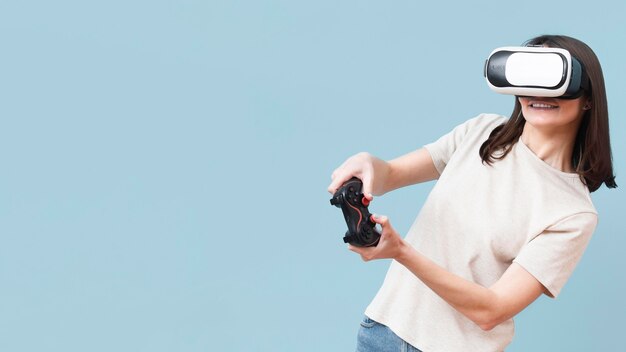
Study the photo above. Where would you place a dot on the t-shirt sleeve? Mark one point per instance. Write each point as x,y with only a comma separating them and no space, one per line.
442,149
552,256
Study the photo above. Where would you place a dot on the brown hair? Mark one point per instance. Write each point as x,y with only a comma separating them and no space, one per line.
592,149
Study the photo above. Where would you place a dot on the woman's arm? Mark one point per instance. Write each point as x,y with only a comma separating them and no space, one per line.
380,177
409,169
485,306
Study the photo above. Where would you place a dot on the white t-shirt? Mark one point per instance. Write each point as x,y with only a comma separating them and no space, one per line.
477,220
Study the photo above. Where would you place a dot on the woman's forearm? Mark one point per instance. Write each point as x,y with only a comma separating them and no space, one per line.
380,176
487,307
409,169
476,302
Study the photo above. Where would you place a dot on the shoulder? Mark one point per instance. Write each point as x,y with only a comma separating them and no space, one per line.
478,128
480,124
487,120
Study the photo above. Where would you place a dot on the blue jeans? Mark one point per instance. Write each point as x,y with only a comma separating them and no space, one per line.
376,337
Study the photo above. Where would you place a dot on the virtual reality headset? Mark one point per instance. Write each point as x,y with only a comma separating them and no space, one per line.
535,71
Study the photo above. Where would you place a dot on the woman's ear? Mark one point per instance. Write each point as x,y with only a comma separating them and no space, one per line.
587,105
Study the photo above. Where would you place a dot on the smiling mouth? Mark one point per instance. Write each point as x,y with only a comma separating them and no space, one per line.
536,105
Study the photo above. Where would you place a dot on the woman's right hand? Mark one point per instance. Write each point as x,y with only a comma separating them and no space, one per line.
372,171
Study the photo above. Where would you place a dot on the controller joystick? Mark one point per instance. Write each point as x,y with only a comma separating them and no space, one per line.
361,229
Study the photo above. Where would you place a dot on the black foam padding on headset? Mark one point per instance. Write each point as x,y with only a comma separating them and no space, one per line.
576,79
495,69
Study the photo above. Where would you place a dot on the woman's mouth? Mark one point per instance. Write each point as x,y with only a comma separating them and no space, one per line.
543,105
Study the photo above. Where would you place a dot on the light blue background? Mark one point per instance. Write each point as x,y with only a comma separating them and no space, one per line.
164,165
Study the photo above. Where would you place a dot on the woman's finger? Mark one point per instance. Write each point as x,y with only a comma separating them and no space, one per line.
335,183
366,253
367,184
382,220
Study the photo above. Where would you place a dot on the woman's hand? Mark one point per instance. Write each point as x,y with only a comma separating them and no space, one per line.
371,170
390,245
380,176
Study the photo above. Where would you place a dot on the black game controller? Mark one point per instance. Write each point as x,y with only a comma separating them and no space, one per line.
361,229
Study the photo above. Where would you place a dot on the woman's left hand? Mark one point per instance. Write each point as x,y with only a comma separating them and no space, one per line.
390,245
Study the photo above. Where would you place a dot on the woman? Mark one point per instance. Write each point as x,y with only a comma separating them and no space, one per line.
507,220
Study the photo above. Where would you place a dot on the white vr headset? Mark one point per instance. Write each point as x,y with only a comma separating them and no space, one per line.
535,71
